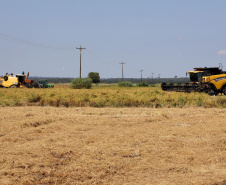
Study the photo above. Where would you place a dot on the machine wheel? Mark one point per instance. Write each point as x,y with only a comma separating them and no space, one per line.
211,92
224,90
36,85
27,85
13,86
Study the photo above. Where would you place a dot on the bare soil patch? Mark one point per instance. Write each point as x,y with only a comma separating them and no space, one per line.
49,145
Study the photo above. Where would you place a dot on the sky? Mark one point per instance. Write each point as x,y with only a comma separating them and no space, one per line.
161,37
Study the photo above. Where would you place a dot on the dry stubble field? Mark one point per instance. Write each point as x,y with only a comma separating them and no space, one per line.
50,145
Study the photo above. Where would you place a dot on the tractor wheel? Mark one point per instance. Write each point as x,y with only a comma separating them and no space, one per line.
36,85
27,85
13,86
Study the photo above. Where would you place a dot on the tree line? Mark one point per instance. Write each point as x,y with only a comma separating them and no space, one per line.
116,80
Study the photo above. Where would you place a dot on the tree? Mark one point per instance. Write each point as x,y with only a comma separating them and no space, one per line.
94,76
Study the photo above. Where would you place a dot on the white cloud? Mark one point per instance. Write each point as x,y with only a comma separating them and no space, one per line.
221,52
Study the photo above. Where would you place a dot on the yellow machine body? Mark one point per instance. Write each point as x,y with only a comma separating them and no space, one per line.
219,81
12,80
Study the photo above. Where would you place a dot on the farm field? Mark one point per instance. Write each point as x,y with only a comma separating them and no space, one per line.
107,96
136,145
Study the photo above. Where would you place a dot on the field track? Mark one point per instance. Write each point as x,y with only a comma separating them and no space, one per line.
50,145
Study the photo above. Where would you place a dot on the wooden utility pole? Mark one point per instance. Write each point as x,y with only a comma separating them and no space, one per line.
141,74
152,76
80,59
122,70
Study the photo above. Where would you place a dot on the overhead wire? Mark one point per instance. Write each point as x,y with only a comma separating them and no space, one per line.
36,44
31,43
96,58
100,60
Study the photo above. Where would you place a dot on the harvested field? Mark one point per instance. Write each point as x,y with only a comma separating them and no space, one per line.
50,145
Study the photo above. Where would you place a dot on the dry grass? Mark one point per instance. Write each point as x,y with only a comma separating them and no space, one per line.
50,145
152,97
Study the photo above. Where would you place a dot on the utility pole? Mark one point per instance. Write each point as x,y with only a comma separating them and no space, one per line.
80,59
159,77
141,74
152,76
122,70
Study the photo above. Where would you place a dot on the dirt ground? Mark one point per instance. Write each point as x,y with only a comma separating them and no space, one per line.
49,145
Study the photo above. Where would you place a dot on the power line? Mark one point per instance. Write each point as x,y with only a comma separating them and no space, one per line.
30,43
97,58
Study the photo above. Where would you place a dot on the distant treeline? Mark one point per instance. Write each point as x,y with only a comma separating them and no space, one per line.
147,80
116,80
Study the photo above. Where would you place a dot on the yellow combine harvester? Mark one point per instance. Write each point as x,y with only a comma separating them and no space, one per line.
21,80
210,80
12,81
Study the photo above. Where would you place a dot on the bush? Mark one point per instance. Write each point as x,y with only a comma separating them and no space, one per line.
153,85
83,83
142,84
94,76
125,84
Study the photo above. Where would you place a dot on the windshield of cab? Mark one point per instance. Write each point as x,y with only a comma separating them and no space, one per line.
195,77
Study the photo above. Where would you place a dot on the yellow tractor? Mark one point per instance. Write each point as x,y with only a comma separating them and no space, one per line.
12,81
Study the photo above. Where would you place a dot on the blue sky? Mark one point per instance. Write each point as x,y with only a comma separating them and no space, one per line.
158,36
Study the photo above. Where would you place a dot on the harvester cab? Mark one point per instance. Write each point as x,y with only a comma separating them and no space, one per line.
195,76
12,81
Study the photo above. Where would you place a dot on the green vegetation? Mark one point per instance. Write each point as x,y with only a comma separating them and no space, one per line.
95,77
142,84
125,84
107,96
81,83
